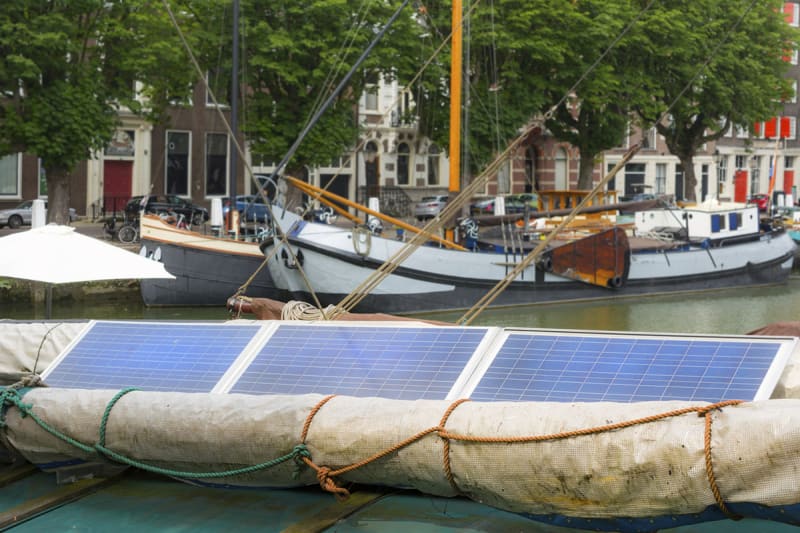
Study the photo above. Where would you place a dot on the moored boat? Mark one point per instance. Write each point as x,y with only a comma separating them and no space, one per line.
672,249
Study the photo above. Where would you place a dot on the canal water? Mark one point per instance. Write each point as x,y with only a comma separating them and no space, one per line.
734,311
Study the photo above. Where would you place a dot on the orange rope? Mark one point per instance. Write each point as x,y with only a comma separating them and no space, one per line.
710,470
325,474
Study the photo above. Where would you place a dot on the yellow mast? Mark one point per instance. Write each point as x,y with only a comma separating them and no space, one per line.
455,107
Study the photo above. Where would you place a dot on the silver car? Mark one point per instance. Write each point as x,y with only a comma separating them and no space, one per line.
429,206
22,214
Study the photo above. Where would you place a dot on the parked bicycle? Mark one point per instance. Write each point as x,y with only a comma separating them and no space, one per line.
126,232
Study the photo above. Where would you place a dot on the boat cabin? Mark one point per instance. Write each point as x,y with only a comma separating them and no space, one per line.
711,220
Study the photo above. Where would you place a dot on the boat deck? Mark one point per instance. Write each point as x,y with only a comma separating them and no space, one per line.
134,501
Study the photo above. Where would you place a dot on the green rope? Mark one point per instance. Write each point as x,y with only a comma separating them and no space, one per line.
12,397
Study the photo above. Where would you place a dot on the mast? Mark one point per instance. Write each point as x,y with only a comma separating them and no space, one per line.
455,106
233,223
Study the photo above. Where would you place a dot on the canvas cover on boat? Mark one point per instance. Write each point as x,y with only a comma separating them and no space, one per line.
26,346
532,458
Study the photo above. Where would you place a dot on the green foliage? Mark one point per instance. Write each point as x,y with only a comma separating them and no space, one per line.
67,68
713,66
295,53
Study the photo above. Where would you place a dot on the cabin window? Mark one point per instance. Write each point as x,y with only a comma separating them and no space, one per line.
716,223
177,163
403,164
216,164
10,175
735,220
433,165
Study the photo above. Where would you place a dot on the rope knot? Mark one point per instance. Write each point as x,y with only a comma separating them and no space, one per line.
299,452
329,485
11,397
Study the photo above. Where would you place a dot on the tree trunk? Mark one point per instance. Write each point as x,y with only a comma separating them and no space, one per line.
58,199
689,178
585,173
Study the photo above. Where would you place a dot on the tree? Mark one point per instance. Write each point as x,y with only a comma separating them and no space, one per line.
524,58
295,53
713,66
67,68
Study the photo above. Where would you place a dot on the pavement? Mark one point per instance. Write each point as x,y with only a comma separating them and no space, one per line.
82,225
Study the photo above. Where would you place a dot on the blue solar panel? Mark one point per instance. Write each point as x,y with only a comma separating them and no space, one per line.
588,368
150,356
396,362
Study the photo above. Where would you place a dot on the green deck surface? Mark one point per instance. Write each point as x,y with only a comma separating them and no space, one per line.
138,502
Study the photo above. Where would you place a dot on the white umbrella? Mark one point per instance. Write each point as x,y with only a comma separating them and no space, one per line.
58,254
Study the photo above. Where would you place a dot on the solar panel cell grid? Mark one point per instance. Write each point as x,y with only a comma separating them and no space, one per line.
390,362
151,356
536,367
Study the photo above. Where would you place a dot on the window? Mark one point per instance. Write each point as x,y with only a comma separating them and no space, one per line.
649,139
661,178
403,164
220,85
433,165
371,93
561,170
722,169
755,173
788,162
42,180
216,164
10,175
503,179
741,162
177,163
634,178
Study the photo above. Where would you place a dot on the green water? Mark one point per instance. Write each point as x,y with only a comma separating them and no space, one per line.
731,311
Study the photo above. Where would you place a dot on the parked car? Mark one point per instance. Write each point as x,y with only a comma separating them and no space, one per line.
251,208
429,206
515,203
760,200
164,203
23,213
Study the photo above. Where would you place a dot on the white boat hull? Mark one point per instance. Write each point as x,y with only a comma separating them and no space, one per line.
435,278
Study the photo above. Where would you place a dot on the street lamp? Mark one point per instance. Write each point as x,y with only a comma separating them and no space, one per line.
717,161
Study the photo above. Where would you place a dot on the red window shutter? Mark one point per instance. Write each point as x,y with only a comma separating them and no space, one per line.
788,11
786,127
770,127
757,129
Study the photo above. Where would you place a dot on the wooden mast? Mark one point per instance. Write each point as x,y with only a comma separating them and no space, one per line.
455,107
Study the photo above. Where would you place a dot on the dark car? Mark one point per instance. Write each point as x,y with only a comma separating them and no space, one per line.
251,208
165,203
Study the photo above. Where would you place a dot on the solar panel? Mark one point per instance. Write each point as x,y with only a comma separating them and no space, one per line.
395,362
575,367
154,356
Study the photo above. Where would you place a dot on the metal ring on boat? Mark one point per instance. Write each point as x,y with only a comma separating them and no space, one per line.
615,282
362,241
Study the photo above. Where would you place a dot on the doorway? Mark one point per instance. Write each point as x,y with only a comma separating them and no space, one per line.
117,180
